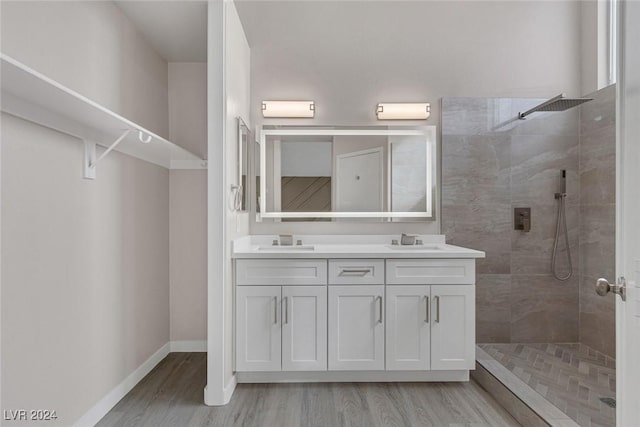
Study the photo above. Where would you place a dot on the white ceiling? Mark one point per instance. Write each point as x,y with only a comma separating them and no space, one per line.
177,30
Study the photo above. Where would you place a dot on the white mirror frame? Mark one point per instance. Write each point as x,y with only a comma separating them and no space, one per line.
429,132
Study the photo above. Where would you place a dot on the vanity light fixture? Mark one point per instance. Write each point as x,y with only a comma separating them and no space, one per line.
403,111
288,109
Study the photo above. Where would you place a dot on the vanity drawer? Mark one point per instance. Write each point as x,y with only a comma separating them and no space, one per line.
281,272
431,271
356,272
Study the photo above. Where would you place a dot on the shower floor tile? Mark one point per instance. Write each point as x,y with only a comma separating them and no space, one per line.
573,377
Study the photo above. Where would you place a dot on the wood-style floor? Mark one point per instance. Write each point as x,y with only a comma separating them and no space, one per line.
172,396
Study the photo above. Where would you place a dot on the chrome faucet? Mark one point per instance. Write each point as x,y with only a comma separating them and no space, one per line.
286,239
407,239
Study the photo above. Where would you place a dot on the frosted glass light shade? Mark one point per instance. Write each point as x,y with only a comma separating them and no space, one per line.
403,111
288,109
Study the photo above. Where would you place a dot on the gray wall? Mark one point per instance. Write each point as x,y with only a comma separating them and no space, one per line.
188,203
92,48
492,163
597,219
348,56
85,264
85,270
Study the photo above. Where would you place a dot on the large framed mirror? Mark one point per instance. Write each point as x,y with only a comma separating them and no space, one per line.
346,174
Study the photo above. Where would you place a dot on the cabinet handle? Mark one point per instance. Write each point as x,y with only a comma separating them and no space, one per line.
285,302
362,271
379,298
437,309
275,310
426,309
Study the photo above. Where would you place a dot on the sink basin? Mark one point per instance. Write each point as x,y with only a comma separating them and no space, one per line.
296,248
415,247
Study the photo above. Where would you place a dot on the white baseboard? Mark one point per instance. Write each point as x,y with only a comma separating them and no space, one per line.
104,405
230,388
100,409
220,397
188,346
351,376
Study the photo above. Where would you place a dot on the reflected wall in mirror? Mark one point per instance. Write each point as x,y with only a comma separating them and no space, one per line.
338,174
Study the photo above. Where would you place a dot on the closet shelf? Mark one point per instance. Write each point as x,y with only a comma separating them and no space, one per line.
33,96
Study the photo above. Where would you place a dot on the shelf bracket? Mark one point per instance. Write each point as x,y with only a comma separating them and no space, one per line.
90,161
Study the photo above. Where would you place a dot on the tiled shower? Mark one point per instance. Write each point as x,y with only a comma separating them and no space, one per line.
492,163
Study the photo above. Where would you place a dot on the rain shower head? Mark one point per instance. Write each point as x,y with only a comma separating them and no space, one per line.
558,103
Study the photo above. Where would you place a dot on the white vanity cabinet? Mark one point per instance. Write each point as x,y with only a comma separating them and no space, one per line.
431,310
281,328
258,328
356,327
453,337
408,328
304,328
354,319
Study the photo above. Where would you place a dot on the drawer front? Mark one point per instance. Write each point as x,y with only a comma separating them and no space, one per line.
431,272
281,272
356,272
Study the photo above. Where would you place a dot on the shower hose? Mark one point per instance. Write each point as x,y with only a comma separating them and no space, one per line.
561,222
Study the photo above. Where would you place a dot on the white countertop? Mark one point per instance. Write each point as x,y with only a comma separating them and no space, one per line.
349,246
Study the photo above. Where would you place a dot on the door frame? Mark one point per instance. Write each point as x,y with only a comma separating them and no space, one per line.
627,208
343,156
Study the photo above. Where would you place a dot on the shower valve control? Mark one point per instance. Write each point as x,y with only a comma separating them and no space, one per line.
522,219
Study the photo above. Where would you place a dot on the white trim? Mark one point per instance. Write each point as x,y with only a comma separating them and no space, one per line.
230,388
346,215
352,376
104,405
346,132
188,346
216,202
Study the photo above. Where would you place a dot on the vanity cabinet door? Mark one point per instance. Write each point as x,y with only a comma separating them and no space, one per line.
453,327
408,328
258,329
304,328
356,327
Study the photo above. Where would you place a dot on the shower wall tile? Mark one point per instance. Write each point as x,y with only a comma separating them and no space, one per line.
599,113
598,334
483,227
476,116
598,166
491,163
532,251
477,170
597,318
536,162
544,309
544,123
493,308
597,240
597,218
